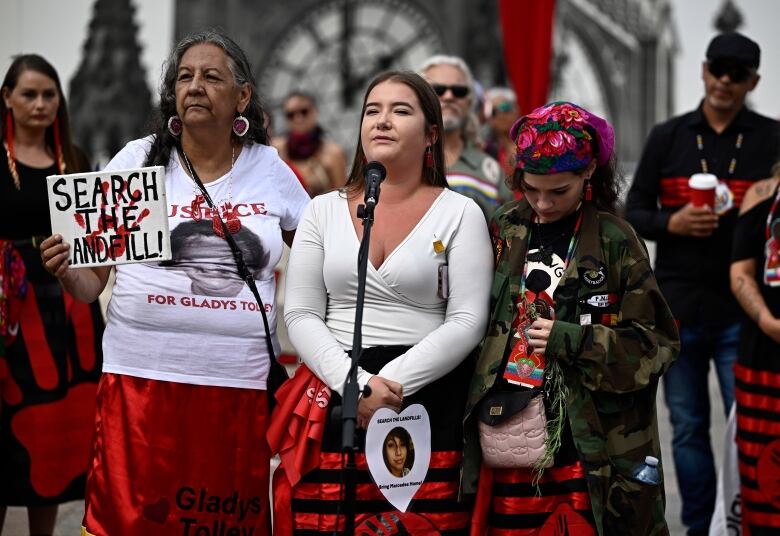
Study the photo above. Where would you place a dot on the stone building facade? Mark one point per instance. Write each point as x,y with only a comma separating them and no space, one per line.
614,56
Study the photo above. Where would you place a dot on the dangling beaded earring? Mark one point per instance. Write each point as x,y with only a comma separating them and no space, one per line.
428,157
58,146
240,125
175,125
9,148
588,190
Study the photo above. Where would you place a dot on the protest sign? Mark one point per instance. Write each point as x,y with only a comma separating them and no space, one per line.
398,452
111,217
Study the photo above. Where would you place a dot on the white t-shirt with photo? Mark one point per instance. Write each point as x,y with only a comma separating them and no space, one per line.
193,319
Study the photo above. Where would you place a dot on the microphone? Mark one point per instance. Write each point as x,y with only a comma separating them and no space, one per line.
375,173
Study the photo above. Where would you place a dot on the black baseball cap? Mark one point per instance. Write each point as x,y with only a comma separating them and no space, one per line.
734,45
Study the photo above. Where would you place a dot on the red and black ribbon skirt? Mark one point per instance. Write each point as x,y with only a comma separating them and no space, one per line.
758,443
48,380
435,508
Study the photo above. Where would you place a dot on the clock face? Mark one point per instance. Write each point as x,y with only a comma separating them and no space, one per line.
334,50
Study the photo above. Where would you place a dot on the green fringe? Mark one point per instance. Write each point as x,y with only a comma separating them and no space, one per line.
558,393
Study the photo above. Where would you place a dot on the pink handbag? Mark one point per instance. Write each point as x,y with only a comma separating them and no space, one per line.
512,429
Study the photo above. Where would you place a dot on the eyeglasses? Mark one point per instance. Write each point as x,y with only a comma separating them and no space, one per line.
457,91
290,114
736,71
503,107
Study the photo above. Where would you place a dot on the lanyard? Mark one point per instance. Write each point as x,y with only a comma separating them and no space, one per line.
243,269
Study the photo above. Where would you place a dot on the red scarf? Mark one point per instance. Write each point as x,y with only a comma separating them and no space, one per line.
295,433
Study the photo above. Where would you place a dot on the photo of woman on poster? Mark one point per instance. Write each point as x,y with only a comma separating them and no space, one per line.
398,452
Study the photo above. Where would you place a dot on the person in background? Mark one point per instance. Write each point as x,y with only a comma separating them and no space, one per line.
417,333
318,161
725,138
470,171
183,405
501,112
579,326
755,281
49,373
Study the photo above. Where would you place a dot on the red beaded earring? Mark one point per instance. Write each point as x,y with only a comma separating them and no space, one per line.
240,125
428,157
58,146
588,190
175,126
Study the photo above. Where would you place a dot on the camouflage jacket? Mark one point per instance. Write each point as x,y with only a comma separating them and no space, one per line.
611,364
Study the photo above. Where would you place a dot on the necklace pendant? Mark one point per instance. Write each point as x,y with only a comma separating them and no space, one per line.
195,206
233,223
216,224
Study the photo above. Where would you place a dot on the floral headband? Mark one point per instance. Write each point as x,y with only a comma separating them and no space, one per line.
560,137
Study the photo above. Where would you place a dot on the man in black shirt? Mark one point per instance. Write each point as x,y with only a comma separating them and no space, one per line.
724,138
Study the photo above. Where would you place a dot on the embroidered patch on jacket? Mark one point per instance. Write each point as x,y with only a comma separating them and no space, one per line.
594,278
601,300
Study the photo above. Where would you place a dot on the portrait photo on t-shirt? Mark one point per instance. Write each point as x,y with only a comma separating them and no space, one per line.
206,258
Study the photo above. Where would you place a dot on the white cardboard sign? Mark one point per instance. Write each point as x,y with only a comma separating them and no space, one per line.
398,452
111,217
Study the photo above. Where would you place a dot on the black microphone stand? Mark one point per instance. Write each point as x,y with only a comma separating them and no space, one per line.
351,389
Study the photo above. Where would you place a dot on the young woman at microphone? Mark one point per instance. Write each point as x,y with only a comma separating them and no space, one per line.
426,305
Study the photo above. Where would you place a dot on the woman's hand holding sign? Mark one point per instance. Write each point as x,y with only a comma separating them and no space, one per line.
384,394
55,255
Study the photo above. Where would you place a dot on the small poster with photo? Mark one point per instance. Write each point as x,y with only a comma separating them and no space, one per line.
398,452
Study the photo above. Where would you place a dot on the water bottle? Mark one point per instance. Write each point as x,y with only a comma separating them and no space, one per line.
648,472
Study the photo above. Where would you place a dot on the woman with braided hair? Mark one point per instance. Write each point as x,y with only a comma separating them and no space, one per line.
52,355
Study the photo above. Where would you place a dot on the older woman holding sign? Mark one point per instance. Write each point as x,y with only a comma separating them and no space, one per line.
180,434
49,373
426,303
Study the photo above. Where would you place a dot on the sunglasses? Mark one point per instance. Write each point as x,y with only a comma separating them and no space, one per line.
502,108
457,91
290,114
736,71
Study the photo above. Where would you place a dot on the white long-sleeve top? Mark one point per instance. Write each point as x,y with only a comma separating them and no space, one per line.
402,305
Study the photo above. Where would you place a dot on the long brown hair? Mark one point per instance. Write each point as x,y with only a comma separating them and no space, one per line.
73,159
429,103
